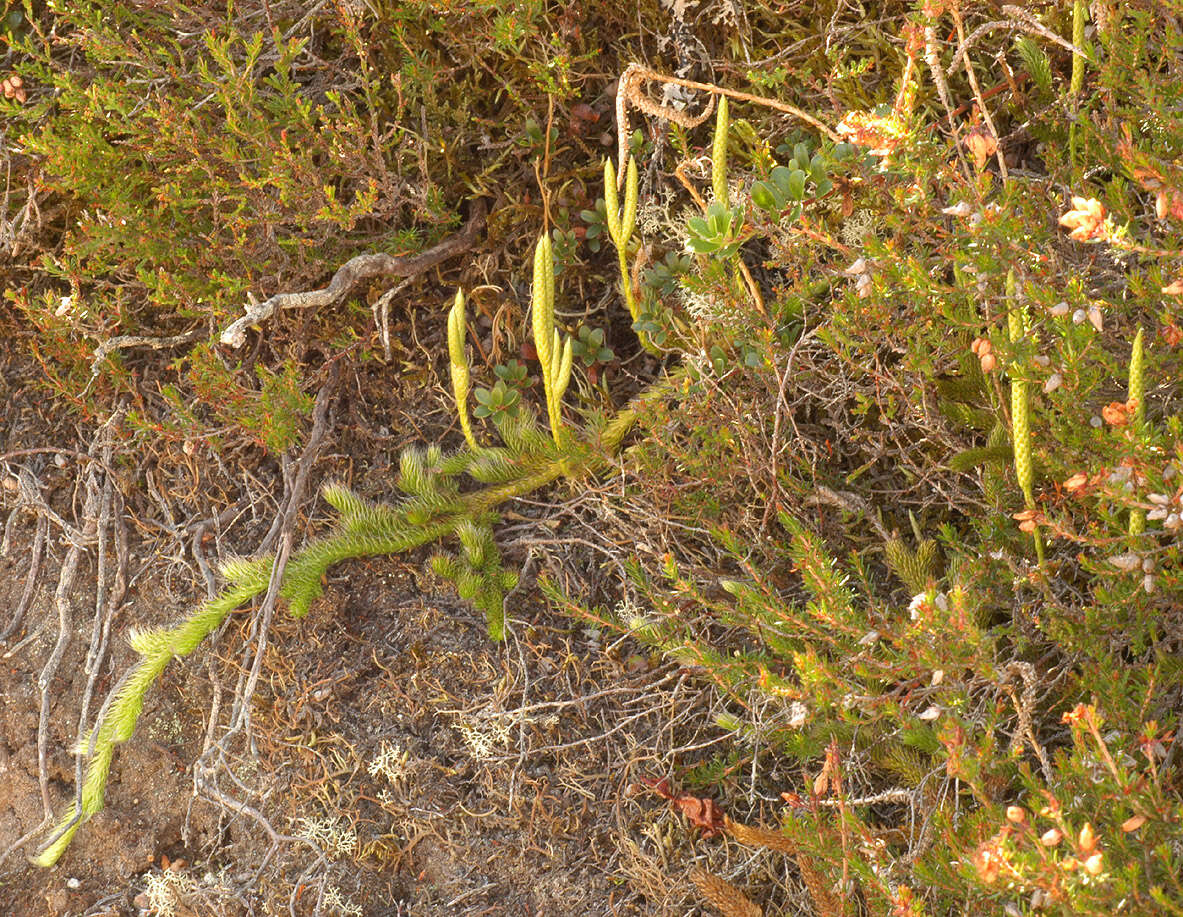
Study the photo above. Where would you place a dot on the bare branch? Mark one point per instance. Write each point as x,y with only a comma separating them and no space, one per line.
110,345
355,270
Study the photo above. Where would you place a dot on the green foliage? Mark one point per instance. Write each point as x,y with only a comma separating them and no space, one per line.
1036,62
588,346
191,160
498,403
663,276
971,711
1016,708
717,232
597,224
512,373
281,406
785,186
166,179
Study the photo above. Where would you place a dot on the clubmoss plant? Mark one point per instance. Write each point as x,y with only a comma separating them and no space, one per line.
433,508
117,721
916,569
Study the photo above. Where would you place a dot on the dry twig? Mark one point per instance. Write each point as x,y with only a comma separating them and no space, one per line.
629,93
291,507
354,271
35,559
109,346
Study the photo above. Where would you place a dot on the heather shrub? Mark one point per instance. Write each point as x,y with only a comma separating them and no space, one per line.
940,578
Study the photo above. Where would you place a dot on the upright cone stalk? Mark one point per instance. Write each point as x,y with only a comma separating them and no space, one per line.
1020,410
1136,395
458,359
553,353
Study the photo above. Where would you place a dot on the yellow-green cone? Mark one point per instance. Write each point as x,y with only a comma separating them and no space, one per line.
1137,385
553,353
1021,435
611,202
1020,410
1137,394
719,153
458,360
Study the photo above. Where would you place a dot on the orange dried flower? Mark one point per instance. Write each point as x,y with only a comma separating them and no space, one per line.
1016,814
1094,864
1051,837
981,145
1133,823
987,861
1086,219
1168,203
12,88
1087,839
1028,520
988,361
1077,481
1116,414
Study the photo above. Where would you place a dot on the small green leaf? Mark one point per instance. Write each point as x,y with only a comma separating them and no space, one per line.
763,197
797,185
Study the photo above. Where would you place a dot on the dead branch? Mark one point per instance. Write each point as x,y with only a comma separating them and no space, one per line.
629,92
354,271
63,602
109,346
30,579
